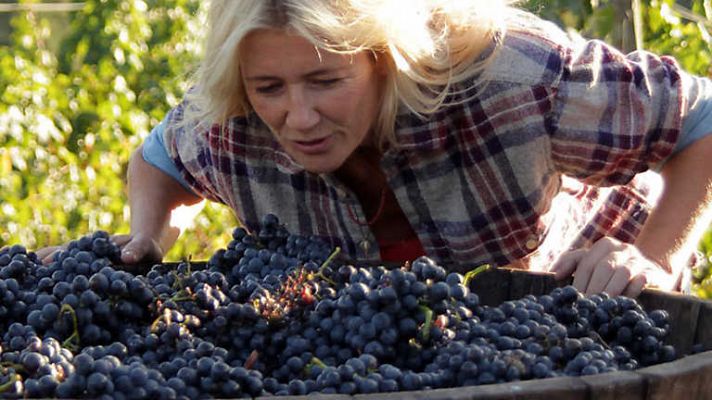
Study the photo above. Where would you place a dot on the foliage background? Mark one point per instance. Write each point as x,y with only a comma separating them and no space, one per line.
79,92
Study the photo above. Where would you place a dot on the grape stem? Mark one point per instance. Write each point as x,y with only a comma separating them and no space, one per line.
7,385
17,367
425,329
166,316
326,263
252,359
72,342
314,362
472,274
182,297
599,339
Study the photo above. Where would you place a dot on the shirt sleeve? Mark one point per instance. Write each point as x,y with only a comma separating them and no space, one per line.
698,122
154,153
617,115
188,147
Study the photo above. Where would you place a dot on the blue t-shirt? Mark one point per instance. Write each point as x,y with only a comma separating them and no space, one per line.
154,153
698,122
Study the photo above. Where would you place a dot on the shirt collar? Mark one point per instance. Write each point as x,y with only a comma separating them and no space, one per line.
284,162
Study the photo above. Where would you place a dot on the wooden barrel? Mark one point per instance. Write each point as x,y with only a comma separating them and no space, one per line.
688,378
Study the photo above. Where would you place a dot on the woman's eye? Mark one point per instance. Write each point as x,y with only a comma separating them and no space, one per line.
326,82
267,89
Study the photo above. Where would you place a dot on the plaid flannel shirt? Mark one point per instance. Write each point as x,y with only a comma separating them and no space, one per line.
542,159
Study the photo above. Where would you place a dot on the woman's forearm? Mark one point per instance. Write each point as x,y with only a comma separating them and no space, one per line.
682,214
153,195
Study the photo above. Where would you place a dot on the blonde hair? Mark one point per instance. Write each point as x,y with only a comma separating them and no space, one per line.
426,46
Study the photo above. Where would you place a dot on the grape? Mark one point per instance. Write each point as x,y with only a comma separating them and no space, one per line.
268,316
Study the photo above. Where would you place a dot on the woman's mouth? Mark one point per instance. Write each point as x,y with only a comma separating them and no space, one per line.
315,146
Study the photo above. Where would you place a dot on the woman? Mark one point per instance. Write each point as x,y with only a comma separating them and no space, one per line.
463,130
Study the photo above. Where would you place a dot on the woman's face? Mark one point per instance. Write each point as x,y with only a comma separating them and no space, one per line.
321,106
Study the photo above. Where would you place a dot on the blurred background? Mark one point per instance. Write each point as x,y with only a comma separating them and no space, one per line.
83,82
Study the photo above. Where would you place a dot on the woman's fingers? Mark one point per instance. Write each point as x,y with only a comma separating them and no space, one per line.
586,268
583,264
46,254
618,282
132,254
566,264
139,250
121,240
608,266
134,250
602,271
636,285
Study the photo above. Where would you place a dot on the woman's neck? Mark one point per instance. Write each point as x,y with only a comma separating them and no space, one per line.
363,175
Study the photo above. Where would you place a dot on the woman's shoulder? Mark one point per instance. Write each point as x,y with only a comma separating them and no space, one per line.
531,51
185,121
243,139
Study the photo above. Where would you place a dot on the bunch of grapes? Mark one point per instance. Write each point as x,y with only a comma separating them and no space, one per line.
279,314
43,363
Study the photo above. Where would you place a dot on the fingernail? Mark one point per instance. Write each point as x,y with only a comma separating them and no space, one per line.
128,255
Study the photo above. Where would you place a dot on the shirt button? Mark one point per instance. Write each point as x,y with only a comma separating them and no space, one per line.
341,193
532,243
365,245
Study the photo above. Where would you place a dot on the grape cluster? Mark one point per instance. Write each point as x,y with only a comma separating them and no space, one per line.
264,261
278,314
43,363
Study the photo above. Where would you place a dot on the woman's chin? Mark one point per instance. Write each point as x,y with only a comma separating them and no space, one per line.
320,169
321,165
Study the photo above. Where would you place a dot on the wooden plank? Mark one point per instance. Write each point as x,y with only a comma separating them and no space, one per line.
684,379
492,286
562,388
316,396
460,393
483,392
616,385
703,335
684,312
536,283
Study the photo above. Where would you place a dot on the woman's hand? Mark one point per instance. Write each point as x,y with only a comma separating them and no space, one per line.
46,254
134,250
613,267
138,249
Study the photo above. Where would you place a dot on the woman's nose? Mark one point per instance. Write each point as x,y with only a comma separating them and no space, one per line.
301,113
